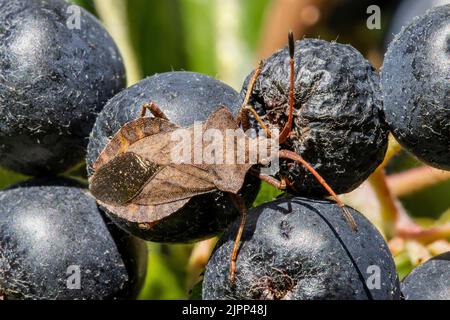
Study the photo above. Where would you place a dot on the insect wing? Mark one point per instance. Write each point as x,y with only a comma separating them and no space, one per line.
144,213
175,183
122,178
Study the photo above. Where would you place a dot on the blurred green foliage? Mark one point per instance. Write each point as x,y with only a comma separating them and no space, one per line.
430,202
8,178
181,35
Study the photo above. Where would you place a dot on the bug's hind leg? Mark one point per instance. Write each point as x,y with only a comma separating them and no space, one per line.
154,110
290,155
240,205
278,184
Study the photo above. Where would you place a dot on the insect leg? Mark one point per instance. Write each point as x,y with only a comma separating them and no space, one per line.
284,135
154,109
251,84
249,108
240,205
287,154
243,119
289,184
281,185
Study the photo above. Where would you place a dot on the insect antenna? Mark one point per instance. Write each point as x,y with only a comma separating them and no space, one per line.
288,126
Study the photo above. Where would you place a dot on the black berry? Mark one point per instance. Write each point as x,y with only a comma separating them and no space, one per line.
415,84
303,249
429,281
337,117
49,233
54,79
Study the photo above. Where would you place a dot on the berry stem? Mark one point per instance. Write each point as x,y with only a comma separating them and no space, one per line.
393,149
414,180
396,222
387,201
425,235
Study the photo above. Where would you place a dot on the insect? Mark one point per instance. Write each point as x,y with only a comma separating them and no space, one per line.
135,176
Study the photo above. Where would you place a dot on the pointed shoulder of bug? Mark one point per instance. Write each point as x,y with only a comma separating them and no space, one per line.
221,119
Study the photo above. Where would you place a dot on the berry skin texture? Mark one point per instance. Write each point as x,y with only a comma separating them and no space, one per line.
299,249
415,82
184,97
53,82
46,229
429,281
338,122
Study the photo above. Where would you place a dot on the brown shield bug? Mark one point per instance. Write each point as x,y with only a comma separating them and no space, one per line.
135,176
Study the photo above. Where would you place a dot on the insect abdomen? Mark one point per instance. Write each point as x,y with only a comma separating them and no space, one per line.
130,133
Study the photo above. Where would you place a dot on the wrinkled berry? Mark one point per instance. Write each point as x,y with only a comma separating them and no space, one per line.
337,127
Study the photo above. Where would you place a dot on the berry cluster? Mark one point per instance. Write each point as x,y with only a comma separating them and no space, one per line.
62,100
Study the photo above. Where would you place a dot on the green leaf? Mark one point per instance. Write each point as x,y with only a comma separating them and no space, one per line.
163,280
403,264
8,178
157,34
199,35
86,4
196,292
267,193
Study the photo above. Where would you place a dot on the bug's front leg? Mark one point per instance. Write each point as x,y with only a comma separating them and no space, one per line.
242,117
258,119
154,109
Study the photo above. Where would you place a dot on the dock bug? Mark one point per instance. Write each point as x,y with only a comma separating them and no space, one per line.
135,176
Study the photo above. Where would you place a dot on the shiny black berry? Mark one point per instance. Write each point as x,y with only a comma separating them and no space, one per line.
56,244
55,76
415,83
429,281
